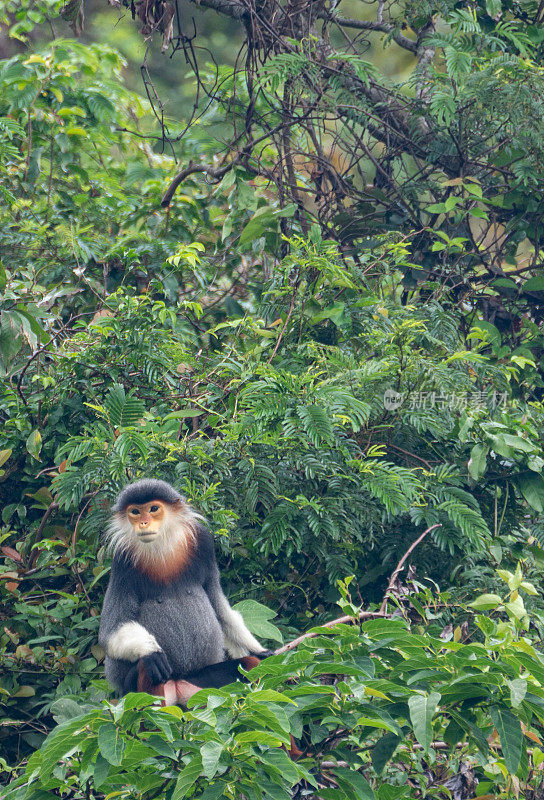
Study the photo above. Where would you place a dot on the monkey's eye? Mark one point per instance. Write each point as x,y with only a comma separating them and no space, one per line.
134,512
154,508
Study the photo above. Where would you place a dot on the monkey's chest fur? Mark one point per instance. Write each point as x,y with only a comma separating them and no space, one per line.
182,620
177,613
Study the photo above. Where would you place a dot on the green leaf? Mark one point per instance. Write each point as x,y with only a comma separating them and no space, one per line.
531,486
256,226
477,461
262,220
516,608
213,792
454,733
262,737
162,746
383,751
123,410
4,455
270,696
187,778
472,729
451,202
274,790
510,735
534,284
486,602
65,709
10,338
63,740
383,724
101,770
519,443
317,424
283,763
256,616
354,784
436,208
493,8
110,743
518,690
183,413
422,709
136,700
478,212
34,443
485,330
530,588
211,753
271,716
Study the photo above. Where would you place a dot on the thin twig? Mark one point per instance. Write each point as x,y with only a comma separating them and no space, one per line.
288,317
39,533
400,565
410,455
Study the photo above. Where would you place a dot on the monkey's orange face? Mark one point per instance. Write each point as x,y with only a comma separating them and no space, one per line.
147,519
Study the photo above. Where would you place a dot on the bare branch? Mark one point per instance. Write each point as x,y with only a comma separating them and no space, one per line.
366,25
400,565
190,169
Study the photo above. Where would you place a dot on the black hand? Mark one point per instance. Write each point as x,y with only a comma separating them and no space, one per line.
157,667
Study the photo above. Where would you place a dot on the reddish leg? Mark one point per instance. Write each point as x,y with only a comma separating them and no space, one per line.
180,691
172,692
184,691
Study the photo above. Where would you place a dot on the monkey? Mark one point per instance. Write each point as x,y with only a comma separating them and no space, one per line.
166,626
179,691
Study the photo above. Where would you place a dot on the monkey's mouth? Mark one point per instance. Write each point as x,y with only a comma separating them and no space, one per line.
147,536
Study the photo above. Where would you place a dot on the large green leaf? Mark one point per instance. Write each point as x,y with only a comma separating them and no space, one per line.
187,778
534,284
510,734
477,461
63,740
383,751
257,618
531,486
211,753
354,784
422,710
111,743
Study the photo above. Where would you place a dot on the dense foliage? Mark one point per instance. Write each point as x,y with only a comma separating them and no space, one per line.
322,398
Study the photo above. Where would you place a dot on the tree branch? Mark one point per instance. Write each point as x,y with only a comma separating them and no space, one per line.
190,169
362,614
400,565
39,533
366,25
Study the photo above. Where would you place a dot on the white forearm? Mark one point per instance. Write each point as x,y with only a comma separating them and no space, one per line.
239,641
130,642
